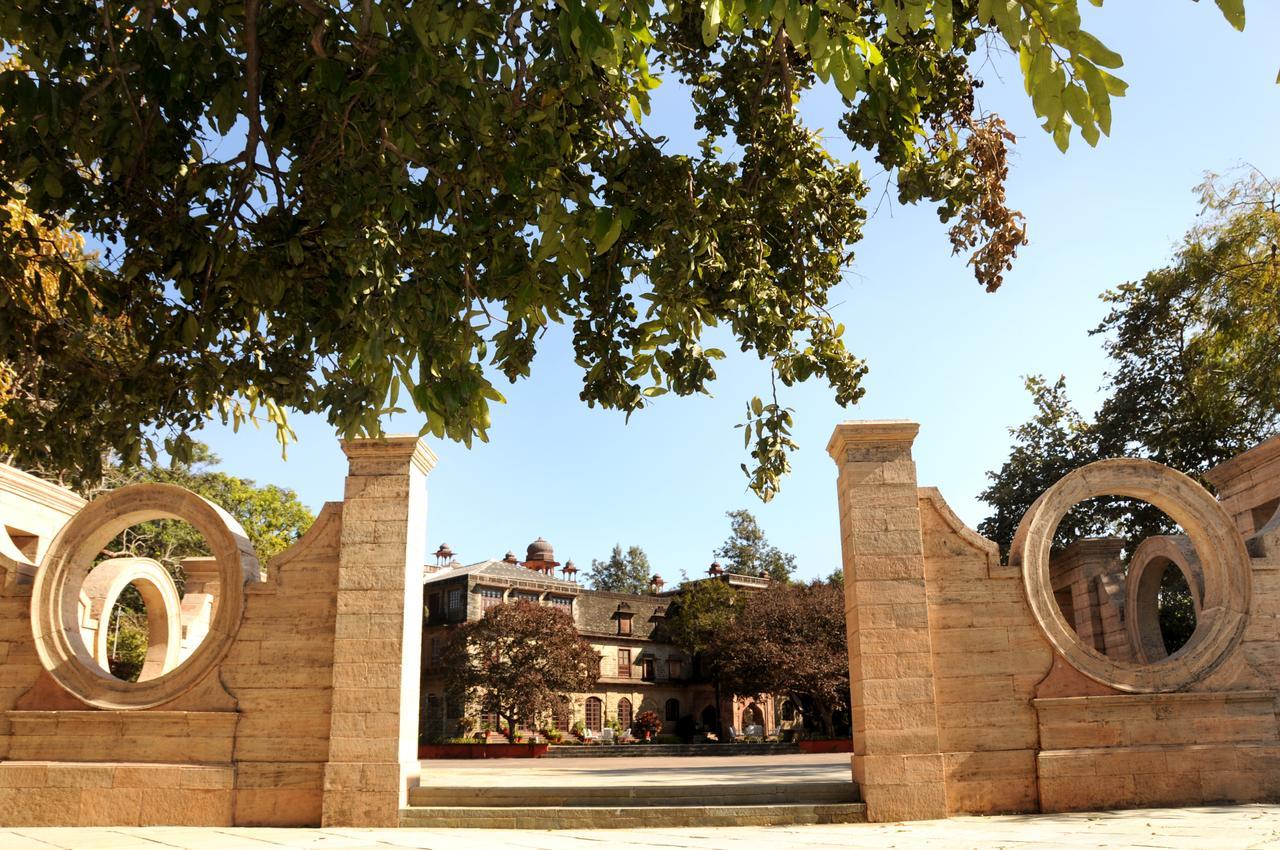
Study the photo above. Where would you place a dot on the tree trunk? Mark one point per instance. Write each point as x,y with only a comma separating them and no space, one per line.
825,715
511,725
719,714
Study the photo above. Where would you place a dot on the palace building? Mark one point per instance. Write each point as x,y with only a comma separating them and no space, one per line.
640,669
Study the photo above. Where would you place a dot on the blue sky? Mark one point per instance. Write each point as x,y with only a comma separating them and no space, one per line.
941,350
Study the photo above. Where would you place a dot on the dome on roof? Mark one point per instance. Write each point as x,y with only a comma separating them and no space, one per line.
509,558
540,550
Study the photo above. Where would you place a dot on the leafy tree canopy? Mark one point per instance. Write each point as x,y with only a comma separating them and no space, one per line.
518,661
627,572
789,640
342,207
1196,376
747,552
272,516
699,613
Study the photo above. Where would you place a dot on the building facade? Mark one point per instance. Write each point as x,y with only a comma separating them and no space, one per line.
640,669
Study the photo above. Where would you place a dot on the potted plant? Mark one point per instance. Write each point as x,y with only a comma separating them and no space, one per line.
648,725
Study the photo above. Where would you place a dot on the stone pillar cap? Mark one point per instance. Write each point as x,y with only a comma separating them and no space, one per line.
393,446
870,431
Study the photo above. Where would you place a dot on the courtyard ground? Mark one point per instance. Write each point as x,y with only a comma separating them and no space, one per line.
676,770
1204,828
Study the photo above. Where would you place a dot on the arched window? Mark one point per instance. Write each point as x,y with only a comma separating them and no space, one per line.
624,714
788,711
672,710
752,716
595,714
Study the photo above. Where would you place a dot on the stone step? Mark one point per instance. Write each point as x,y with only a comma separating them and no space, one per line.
615,796
622,817
652,750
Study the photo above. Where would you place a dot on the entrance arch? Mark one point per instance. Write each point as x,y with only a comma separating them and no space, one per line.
710,718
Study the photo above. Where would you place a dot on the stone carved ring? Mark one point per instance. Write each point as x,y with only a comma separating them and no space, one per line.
1142,590
1219,547
101,591
55,597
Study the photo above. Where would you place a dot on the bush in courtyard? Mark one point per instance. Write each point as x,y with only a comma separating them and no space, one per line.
647,725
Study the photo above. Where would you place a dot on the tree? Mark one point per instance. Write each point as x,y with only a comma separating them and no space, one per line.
1197,343
747,552
1056,440
272,517
700,611
790,640
331,207
1196,348
518,661
622,573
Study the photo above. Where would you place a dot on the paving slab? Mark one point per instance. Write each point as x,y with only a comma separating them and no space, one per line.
1255,827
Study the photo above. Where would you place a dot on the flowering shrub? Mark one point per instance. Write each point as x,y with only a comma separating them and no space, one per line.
647,724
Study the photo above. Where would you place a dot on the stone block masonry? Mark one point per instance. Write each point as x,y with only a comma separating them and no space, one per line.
963,704
971,691
310,716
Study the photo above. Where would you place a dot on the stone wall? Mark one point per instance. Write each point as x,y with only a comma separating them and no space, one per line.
972,693
296,712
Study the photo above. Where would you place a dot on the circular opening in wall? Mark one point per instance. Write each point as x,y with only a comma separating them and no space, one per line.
1176,613
130,616
1164,596
127,636
1210,536
77,592
1091,573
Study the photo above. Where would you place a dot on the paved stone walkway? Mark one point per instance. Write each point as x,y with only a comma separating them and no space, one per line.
1255,827
661,770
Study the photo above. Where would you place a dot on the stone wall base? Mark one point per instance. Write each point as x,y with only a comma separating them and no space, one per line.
44,793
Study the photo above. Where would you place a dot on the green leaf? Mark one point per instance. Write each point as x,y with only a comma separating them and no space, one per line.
52,185
1062,135
607,229
795,21
942,24
712,14
1097,52
1233,11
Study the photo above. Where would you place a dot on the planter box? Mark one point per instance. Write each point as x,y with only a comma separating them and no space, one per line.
837,745
481,751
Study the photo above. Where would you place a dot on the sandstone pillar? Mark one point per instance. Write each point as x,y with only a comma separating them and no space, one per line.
378,632
896,756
